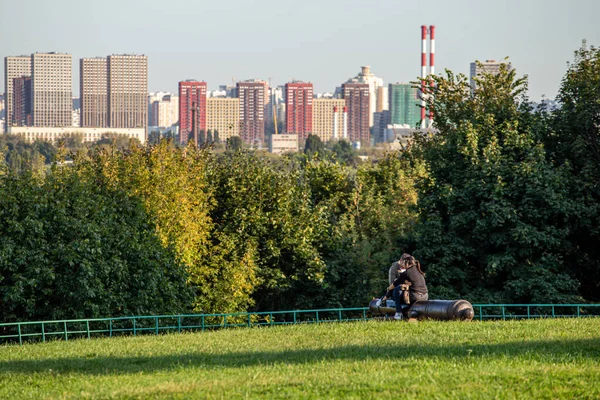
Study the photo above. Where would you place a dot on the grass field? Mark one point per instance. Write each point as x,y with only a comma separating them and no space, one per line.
551,358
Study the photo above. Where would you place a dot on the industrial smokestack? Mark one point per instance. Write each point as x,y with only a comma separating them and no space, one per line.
423,71
431,62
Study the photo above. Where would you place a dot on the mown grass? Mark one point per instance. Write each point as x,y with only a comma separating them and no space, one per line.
552,358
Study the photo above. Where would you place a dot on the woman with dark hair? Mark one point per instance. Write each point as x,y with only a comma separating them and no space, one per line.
410,286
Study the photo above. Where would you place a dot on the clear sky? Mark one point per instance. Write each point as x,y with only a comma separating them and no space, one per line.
321,41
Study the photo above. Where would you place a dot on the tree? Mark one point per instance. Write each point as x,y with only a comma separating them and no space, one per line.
209,136
216,136
234,143
572,139
313,145
493,210
345,153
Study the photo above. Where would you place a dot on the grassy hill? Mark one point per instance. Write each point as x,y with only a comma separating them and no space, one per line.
557,358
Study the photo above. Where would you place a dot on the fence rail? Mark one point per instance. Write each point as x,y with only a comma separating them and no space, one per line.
19,332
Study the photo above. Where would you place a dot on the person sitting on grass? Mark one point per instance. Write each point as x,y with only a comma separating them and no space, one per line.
410,286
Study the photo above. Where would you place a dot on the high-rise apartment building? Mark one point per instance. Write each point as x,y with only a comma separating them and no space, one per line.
357,99
404,105
328,118
192,103
127,90
374,83
14,67
22,115
52,89
252,95
489,67
223,116
93,89
299,108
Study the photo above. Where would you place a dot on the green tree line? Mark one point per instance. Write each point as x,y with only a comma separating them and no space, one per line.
501,205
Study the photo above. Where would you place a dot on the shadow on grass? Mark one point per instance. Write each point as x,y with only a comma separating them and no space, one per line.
547,351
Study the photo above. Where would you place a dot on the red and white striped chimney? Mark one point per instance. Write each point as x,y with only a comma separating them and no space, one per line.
431,62
423,71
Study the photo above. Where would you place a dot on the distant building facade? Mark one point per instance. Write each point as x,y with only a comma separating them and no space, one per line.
22,102
93,91
380,122
14,67
404,105
488,67
374,83
127,91
223,116
51,90
283,143
114,92
328,118
357,99
192,94
52,134
299,108
164,110
252,95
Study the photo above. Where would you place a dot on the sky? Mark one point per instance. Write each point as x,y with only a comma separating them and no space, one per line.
320,41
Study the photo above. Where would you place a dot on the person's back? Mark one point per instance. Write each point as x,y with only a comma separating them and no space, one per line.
417,280
395,272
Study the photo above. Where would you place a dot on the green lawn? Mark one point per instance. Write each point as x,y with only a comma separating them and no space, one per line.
552,358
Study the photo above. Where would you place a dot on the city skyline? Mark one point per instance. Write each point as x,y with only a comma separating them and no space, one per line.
332,41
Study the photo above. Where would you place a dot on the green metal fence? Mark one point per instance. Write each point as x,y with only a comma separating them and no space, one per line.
42,331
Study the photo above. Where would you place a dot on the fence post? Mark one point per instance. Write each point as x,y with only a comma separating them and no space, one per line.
87,327
66,335
481,313
134,331
317,317
295,317
503,313
553,311
578,311
110,328
179,324
20,338
248,320
340,315
43,333
202,322
528,312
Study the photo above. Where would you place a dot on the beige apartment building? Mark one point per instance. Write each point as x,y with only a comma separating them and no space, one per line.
127,104
52,89
93,91
223,115
324,111
14,67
